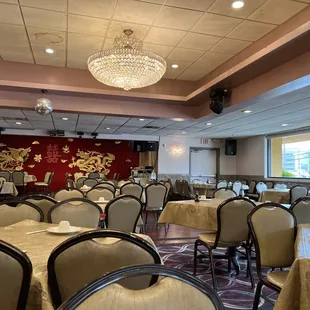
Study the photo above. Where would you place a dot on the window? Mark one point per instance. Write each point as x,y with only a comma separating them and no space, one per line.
289,156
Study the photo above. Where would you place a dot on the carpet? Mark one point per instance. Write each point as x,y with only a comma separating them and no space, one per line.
234,291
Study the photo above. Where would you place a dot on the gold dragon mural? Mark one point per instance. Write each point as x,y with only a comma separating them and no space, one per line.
13,159
91,161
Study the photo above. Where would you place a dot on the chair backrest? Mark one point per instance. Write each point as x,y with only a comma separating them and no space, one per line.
97,192
224,193
260,187
45,203
221,184
169,187
301,209
122,213
133,189
107,250
18,178
235,231
280,186
298,191
16,271
51,178
122,182
2,180
79,181
174,290
237,187
186,188
93,175
67,193
77,211
6,175
106,185
14,211
69,183
244,182
269,184
178,187
155,195
47,177
252,187
90,182
273,230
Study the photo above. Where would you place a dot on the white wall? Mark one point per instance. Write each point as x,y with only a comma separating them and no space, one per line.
251,156
171,163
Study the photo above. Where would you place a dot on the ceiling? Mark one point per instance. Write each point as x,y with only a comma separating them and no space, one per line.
198,35
266,117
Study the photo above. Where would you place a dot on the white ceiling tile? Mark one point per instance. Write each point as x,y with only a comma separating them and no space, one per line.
50,61
199,5
39,51
164,36
23,125
11,113
230,46
194,73
198,41
17,57
46,36
183,54
10,14
172,73
11,34
161,50
215,58
10,1
116,28
77,64
54,5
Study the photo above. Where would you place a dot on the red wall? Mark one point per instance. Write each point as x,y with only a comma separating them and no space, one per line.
124,157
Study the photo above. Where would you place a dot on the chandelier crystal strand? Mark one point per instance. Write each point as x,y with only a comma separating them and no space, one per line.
127,65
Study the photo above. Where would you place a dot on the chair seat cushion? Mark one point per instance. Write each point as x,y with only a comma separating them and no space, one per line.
209,238
40,184
277,277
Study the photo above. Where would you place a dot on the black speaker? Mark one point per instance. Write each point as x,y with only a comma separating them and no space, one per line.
230,147
145,146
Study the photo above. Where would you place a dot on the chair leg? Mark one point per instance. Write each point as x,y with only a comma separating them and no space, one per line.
212,269
257,295
195,257
249,266
229,264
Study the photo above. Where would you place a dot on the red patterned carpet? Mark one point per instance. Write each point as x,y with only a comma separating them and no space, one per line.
235,291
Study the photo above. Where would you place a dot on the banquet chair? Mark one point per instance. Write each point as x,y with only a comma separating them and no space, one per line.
45,203
155,194
14,211
16,272
79,182
298,191
186,190
168,186
106,251
77,211
98,192
122,182
18,178
2,181
280,186
252,191
67,193
90,182
133,189
221,184
93,175
301,209
230,234
106,184
260,187
178,187
273,231
123,212
6,175
224,193
174,290
237,185
45,185
269,184
69,183
244,182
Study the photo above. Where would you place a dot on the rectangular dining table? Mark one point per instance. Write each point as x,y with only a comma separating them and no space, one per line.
38,247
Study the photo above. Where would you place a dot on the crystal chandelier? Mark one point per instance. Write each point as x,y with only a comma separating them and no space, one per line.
127,65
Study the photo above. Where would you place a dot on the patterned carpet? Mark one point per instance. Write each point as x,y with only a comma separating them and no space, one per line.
235,291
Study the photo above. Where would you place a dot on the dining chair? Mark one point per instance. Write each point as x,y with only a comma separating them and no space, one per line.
43,202
224,193
178,187
45,185
230,234
169,187
260,187
98,192
301,209
90,182
18,178
244,182
186,189
133,189
6,175
237,185
122,182
93,175
280,186
2,181
175,290
79,182
67,193
106,184
155,194
298,191
69,183
14,211
269,184
79,212
123,212
273,231
106,251
221,184
16,272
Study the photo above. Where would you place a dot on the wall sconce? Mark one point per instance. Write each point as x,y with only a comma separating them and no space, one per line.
176,150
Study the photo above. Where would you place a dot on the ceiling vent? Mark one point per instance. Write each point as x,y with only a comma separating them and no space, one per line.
152,127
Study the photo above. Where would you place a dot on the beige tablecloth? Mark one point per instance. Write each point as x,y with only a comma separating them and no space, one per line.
8,188
278,196
38,248
200,215
295,294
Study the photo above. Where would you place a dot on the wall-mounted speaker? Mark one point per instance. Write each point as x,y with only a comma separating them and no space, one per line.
230,147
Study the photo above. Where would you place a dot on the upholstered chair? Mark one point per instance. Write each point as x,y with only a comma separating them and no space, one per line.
269,184
16,271
230,233
2,181
98,192
237,185
273,231
93,175
122,182
297,192
106,184
168,186
105,251
251,193
90,182
174,290
221,184
45,203
178,187
45,185
18,178
280,186
224,193
260,187
67,193
14,211
77,211
301,209
133,189
79,182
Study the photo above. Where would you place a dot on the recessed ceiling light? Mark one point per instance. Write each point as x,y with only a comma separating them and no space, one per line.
141,119
183,131
284,125
108,128
177,119
174,66
49,51
237,4
64,118
18,123
208,124
247,111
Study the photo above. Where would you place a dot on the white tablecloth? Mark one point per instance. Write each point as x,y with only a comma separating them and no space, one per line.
8,188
